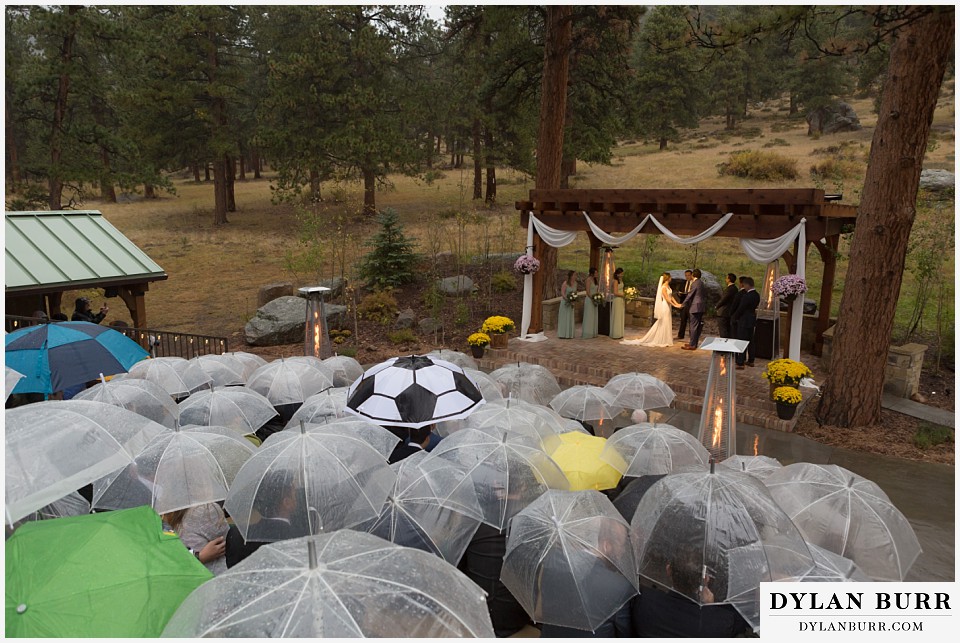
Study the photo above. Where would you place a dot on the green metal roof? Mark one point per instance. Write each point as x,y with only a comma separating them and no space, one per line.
70,249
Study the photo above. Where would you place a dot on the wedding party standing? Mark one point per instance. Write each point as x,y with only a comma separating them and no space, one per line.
661,333
696,304
566,318
744,319
684,300
590,316
725,306
617,306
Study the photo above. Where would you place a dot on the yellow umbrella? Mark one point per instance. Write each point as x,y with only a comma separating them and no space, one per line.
578,456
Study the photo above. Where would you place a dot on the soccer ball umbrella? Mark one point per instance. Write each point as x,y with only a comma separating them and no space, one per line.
413,392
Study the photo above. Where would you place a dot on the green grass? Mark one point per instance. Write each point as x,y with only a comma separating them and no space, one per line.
930,435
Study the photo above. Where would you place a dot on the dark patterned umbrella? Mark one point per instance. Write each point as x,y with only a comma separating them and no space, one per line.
413,392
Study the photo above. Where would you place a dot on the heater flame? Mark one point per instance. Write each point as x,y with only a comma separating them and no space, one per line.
316,333
717,425
756,441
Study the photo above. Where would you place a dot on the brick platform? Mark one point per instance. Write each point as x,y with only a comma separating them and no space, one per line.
595,361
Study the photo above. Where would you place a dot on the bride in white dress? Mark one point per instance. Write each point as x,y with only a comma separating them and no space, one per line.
661,333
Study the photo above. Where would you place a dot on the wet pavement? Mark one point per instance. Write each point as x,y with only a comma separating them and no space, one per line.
923,492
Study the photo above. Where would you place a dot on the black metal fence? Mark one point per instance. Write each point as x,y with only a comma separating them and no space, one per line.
160,343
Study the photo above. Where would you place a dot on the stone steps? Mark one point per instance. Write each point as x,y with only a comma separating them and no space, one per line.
751,409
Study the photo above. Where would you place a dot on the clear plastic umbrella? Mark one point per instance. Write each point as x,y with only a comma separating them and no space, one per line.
72,504
462,360
288,381
312,362
429,508
223,370
178,377
187,467
346,370
585,403
351,428
237,407
759,466
53,448
250,362
653,449
302,482
529,382
508,470
849,515
639,391
143,397
344,584
831,568
321,407
489,387
10,381
714,537
512,419
569,561
554,421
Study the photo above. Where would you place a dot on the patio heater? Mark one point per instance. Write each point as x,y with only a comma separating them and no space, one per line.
718,420
316,341
605,273
766,337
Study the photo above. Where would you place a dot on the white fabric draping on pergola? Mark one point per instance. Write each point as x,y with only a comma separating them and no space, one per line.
760,250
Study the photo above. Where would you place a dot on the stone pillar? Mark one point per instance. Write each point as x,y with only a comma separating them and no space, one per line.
902,373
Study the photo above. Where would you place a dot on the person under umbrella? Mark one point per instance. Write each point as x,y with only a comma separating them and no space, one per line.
346,370
280,514
416,440
203,530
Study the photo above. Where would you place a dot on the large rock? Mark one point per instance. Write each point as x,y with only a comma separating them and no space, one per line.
406,319
429,325
459,285
712,288
938,180
283,320
270,292
336,286
830,119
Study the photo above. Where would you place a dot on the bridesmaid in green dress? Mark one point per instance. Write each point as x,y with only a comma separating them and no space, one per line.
589,330
617,306
565,321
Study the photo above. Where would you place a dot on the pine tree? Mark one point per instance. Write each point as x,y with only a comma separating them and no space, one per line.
392,259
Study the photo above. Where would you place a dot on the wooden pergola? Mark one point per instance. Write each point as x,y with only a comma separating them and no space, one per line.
764,213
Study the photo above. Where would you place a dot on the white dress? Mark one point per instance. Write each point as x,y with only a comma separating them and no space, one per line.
661,333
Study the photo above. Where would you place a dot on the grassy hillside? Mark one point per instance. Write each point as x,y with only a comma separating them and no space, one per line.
215,273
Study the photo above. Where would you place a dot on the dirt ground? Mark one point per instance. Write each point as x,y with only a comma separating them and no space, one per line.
892,437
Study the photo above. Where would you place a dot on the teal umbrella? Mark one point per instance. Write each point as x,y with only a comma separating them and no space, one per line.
114,574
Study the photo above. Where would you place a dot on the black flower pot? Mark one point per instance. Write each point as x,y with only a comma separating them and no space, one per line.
477,351
786,411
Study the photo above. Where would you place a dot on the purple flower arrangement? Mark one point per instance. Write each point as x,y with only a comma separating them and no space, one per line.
789,285
526,265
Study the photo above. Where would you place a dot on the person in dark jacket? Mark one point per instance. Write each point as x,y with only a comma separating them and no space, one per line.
482,562
744,320
725,306
82,311
672,614
418,440
281,518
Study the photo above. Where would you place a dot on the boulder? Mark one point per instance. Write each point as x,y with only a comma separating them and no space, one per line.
809,306
937,180
270,292
283,320
459,285
830,119
336,286
429,325
406,319
712,288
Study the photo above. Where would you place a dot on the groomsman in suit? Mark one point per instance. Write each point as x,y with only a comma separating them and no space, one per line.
683,298
744,319
697,305
725,306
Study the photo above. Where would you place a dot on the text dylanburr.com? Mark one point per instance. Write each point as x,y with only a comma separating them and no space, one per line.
809,611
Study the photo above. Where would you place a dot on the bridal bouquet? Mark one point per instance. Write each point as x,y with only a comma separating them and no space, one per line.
789,286
526,265
598,298
572,297
631,293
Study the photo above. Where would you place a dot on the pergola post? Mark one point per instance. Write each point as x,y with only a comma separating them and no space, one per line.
790,258
828,253
133,297
595,247
536,313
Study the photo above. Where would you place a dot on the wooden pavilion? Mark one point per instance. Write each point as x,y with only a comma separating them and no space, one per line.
757,214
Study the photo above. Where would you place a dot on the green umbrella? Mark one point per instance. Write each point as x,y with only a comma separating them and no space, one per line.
113,574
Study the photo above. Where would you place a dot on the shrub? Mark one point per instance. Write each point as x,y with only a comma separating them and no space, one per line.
402,336
776,142
391,261
348,351
503,281
835,169
433,175
29,196
783,126
380,306
760,166
930,435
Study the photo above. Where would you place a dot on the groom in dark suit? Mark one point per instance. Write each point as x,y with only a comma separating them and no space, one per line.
697,305
744,319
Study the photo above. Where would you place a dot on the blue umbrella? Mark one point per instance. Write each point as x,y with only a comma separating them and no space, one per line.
57,355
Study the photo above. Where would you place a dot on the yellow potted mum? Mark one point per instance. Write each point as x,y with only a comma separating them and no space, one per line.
787,399
497,327
478,342
785,372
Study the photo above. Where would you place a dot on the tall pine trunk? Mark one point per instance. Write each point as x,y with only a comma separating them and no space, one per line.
255,162
242,161
230,166
219,191
553,107
477,163
55,179
918,57
13,156
315,184
107,191
491,188
369,192
196,172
